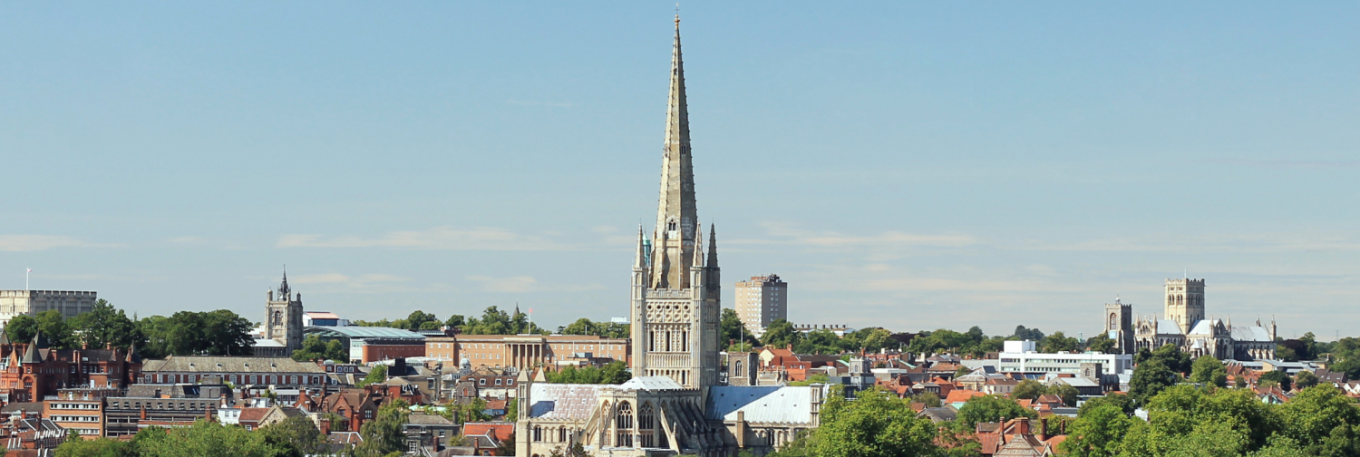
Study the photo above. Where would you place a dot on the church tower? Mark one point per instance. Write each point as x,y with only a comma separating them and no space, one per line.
675,308
1119,325
283,317
1185,302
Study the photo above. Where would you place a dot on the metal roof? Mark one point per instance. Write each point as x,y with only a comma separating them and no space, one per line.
651,383
365,332
1251,334
763,404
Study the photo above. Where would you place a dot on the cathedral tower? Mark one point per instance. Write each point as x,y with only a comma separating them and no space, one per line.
1119,325
283,317
1185,302
675,308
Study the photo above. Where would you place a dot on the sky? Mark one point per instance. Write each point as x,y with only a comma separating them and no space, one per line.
899,164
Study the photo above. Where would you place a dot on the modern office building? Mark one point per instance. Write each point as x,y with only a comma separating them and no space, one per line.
1023,357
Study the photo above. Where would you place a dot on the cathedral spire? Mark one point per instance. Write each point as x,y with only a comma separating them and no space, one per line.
640,261
676,218
712,246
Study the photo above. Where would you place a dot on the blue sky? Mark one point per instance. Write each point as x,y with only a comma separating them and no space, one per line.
909,165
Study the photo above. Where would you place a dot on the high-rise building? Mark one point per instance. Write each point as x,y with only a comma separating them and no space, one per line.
283,318
760,301
32,302
675,300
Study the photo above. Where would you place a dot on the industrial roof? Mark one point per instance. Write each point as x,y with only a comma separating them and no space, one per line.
365,332
217,364
322,315
764,404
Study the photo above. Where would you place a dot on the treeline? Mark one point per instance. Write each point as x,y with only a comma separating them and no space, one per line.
494,321
1190,420
219,332
975,343
584,326
612,373
781,333
297,436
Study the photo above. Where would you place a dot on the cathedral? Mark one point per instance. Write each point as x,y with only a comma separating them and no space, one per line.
676,403
1184,324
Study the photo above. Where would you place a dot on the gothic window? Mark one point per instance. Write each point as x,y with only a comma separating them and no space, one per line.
538,433
1114,321
278,317
737,367
647,425
623,423
668,341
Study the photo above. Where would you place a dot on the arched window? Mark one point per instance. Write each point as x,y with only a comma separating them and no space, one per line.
737,369
1114,321
647,425
538,433
623,423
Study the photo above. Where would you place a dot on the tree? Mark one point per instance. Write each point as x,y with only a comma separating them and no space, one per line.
1276,378
1305,379
1022,333
930,399
383,435
1121,401
105,325
991,408
1097,432
53,327
21,328
1315,413
612,373
314,348
377,375
1149,379
1067,393
1171,357
1058,342
781,333
455,321
734,332
99,447
876,424
297,435
206,439
1100,343
1209,371
1028,389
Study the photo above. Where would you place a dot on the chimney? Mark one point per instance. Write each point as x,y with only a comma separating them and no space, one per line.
325,424
1043,429
741,429
1022,426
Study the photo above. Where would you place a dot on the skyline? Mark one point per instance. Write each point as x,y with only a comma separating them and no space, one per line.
996,183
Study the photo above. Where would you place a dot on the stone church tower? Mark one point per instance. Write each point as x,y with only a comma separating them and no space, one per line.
1119,326
283,317
675,308
1185,302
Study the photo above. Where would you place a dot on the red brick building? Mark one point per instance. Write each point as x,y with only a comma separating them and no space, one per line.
31,371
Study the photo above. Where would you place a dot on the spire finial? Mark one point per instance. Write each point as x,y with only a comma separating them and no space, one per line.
677,15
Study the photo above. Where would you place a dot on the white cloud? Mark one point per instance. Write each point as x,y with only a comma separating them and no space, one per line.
782,233
446,238
1220,243
518,284
17,243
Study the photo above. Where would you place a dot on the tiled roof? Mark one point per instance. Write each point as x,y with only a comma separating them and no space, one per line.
961,395
252,414
764,404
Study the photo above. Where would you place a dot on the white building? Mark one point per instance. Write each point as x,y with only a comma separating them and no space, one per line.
1023,357
761,301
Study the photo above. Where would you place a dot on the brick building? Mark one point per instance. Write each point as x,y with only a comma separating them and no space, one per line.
528,351
31,371
242,371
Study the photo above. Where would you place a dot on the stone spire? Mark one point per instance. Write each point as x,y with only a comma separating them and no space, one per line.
284,290
676,216
712,246
640,261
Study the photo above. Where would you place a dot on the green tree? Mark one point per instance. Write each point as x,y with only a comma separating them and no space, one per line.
99,447
1100,343
455,321
1149,379
1209,371
780,334
314,348
1315,413
383,435
876,424
1067,393
1097,432
206,439
297,436
734,333
21,328
930,399
1305,379
1058,342
1276,378
377,375
1121,401
53,327
105,325
1028,389
1022,333
991,408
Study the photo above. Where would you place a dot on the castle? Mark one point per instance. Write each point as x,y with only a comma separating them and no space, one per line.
1183,324
675,404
